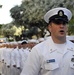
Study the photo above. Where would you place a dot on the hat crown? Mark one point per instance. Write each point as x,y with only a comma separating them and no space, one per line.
60,11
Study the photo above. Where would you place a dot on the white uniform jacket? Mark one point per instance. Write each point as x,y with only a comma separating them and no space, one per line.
0,53
8,58
23,55
46,59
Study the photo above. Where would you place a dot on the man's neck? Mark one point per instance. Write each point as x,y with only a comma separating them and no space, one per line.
59,40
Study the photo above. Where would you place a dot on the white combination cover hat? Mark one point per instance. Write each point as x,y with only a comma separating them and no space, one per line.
55,11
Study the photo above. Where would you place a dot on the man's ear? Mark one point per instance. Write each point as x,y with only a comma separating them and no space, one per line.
49,27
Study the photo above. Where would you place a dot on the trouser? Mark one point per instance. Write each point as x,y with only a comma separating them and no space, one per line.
13,70
1,65
4,68
8,70
18,71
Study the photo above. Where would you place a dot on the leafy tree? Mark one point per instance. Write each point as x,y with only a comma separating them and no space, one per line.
71,27
16,14
1,30
0,6
7,30
34,11
31,12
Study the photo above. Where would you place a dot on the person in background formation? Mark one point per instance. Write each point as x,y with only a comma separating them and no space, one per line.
13,55
23,53
54,56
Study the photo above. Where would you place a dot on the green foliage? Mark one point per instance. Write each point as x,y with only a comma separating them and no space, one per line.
71,27
0,6
7,30
16,14
0,26
31,12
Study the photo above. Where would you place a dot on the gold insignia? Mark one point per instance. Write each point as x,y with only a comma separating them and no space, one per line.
60,13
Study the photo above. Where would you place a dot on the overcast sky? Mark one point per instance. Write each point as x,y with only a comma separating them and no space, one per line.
4,11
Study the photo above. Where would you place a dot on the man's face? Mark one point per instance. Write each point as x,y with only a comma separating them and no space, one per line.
58,29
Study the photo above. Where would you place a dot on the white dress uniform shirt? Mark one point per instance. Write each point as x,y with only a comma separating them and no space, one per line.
0,53
13,62
1,64
18,65
3,54
17,58
46,59
23,54
5,57
8,61
2,60
13,57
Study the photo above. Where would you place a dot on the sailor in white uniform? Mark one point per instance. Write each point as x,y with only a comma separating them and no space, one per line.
24,52
54,56
13,60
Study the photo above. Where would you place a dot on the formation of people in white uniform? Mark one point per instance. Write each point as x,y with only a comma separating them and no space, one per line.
13,55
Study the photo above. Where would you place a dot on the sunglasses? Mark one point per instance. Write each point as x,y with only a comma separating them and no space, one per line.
58,22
